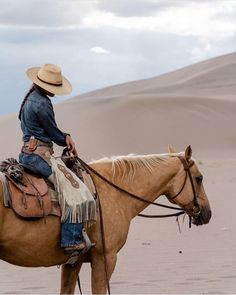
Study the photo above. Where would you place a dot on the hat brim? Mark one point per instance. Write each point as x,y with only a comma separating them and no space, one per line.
63,89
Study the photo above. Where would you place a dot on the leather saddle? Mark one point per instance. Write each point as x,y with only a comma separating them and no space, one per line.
30,197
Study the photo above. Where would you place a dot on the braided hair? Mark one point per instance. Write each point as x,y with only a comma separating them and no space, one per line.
32,88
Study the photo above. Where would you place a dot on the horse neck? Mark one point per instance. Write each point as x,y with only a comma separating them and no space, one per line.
143,183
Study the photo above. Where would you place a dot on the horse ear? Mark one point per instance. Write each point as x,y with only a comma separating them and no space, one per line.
188,153
171,149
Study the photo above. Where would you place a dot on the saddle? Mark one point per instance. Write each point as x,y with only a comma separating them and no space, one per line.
30,196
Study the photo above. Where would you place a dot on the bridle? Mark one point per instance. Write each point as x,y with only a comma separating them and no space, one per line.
187,165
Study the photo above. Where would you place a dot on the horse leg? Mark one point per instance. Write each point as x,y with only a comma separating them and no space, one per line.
99,285
69,275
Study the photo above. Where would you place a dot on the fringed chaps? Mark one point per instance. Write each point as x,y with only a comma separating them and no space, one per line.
77,203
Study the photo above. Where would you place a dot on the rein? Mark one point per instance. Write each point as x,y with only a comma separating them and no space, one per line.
85,165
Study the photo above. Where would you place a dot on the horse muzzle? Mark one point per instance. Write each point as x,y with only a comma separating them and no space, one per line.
201,216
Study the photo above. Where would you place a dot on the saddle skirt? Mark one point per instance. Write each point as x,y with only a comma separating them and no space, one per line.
30,196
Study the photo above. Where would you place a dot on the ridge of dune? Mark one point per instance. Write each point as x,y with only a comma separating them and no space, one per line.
217,81
176,79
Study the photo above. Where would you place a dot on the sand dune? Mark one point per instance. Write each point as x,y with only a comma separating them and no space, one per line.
211,74
195,105
184,107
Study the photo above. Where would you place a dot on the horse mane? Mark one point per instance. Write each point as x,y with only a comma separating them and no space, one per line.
127,166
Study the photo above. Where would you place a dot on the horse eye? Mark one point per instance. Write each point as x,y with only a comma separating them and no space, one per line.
199,178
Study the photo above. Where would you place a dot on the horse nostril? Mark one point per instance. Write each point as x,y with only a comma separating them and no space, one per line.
205,215
209,215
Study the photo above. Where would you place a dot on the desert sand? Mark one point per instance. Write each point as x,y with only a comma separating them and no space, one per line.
195,105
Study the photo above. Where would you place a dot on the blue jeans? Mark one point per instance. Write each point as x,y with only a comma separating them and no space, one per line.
71,234
36,162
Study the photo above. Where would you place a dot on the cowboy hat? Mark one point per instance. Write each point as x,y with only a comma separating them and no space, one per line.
49,77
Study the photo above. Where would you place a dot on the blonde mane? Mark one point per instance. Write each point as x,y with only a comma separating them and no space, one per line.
126,166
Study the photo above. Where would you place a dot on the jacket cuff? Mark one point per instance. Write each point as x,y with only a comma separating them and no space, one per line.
65,134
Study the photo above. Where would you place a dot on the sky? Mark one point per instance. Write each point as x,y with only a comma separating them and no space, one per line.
99,43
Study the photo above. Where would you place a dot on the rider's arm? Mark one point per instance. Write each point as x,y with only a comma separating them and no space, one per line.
46,116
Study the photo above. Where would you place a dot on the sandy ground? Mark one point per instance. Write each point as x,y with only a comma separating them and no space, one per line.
194,105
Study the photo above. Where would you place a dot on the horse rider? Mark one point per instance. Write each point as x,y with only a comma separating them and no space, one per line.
40,130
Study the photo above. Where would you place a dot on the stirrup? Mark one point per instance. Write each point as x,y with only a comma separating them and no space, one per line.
88,243
76,249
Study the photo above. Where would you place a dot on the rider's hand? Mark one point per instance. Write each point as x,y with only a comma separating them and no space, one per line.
71,145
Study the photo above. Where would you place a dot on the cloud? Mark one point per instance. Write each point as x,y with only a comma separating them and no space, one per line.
146,8
196,19
211,19
99,50
200,52
102,42
129,8
44,13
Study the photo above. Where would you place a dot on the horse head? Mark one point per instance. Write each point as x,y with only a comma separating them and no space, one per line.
186,189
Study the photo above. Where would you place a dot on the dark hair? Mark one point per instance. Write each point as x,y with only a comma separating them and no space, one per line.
32,88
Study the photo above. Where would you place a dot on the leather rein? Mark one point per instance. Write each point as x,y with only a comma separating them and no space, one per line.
187,165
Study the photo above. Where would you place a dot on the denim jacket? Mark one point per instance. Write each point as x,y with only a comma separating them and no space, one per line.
38,120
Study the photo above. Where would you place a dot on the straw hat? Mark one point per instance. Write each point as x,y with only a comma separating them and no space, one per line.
49,77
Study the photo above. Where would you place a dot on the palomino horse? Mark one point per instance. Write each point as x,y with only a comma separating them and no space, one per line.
36,243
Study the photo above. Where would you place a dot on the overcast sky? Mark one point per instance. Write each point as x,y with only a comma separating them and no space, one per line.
104,42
